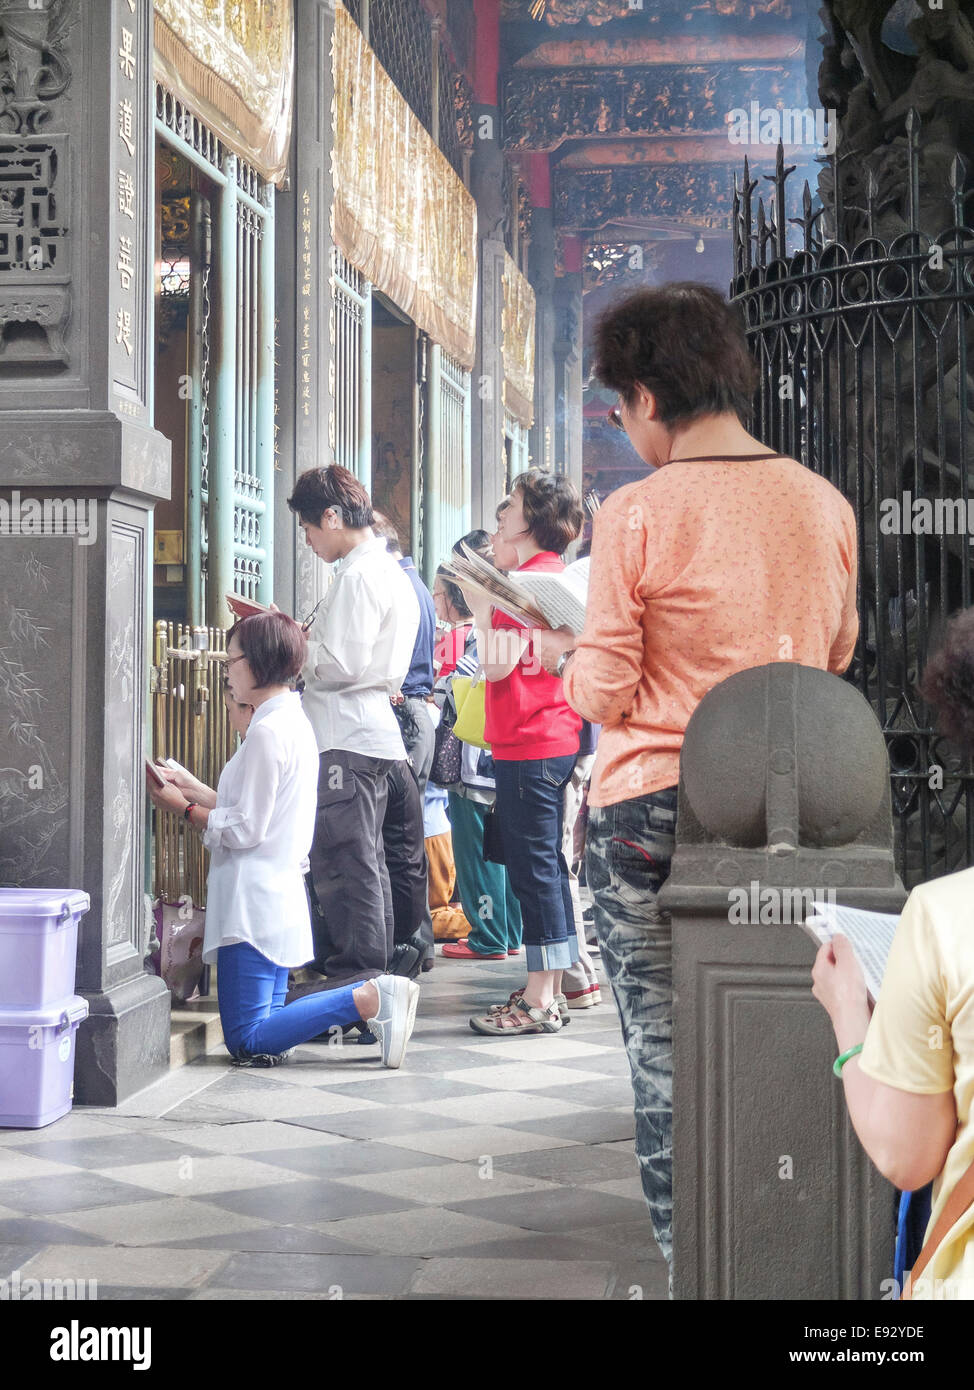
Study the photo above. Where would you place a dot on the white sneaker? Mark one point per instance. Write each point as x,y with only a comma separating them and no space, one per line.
393,1023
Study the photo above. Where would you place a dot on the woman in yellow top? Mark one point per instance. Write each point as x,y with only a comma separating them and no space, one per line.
910,1088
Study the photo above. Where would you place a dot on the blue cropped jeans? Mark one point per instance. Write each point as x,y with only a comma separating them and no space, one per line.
531,808
251,991
628,852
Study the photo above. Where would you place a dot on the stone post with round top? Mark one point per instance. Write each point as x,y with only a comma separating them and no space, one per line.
784,798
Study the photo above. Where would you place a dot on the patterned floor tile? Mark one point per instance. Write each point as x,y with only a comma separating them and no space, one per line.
111,1266
350,1156
158,1222
72,1192
189,1175
333,1275
422,1232
250,1136
447,1183
500,1108
514,1279
585,1126
574,1165
522,1076
473,1142
562,1211
411,1090
384,1122
306,1202
111,1151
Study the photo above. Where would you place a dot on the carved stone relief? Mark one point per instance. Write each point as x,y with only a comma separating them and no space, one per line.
34,69
35,301
35,604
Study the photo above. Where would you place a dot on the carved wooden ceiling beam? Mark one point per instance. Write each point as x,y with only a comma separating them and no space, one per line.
664,196
646,52
542,110
676,149
596,13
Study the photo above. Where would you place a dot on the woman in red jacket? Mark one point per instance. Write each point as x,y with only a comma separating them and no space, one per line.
533,736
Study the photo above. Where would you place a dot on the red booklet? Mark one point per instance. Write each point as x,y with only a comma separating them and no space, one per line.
245,607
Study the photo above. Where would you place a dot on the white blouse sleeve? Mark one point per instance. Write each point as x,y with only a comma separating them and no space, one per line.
244,823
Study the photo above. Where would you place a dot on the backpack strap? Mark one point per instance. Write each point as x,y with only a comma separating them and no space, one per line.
958,1203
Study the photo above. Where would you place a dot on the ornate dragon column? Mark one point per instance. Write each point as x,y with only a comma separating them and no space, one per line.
80,469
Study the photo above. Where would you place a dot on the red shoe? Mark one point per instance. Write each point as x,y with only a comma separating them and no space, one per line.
459,950
515,952
583,998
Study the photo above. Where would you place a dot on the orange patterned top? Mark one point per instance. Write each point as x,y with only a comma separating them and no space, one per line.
699,571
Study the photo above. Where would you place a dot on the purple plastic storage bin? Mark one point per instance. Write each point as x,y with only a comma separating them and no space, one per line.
37,1062
38,945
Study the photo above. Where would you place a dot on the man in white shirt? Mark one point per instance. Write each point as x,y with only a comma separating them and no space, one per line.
359,649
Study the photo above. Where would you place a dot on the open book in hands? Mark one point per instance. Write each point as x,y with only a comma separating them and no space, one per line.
870,934
534,599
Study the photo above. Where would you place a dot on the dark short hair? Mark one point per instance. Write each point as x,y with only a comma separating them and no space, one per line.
274,645
552,508
684,343
476,540
948,681
320,488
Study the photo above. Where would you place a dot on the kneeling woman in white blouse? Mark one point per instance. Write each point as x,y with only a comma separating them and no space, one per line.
258,826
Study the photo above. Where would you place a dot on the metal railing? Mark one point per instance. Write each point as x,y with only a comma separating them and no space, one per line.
865,377
190,724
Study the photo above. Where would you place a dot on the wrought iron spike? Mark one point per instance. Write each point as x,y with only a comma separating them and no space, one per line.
958,172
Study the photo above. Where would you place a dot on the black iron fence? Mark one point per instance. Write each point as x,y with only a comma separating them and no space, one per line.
865,353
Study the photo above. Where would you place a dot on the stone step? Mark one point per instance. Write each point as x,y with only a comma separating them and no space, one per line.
195,1029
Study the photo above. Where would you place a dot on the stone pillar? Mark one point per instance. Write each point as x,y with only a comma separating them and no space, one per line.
76,286
305,358
487,186
541,267
568,370
784,793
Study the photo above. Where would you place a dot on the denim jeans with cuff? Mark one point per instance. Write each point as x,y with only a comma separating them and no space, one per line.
628,852
530,806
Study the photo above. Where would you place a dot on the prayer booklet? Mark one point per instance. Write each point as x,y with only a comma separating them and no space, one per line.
245,607
155,774
536,600
870,934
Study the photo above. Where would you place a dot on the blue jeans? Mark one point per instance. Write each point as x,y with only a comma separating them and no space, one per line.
531,808
256,1020
628,852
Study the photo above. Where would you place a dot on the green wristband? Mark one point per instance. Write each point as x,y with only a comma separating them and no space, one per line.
840,1062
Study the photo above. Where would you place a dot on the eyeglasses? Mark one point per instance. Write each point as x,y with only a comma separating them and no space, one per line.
228,660
614,418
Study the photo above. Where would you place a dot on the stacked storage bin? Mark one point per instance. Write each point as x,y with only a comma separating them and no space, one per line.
39,1010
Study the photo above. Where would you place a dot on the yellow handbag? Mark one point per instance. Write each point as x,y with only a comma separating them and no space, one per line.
468,696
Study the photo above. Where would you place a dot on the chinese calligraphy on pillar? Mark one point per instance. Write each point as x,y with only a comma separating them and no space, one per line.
130,75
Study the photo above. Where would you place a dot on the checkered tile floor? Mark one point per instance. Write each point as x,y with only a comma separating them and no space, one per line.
484,1168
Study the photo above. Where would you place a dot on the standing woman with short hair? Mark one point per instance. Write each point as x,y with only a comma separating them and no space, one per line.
533,737
258,826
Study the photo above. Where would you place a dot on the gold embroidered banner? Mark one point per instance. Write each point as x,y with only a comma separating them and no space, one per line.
518,343
232,63
400,213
